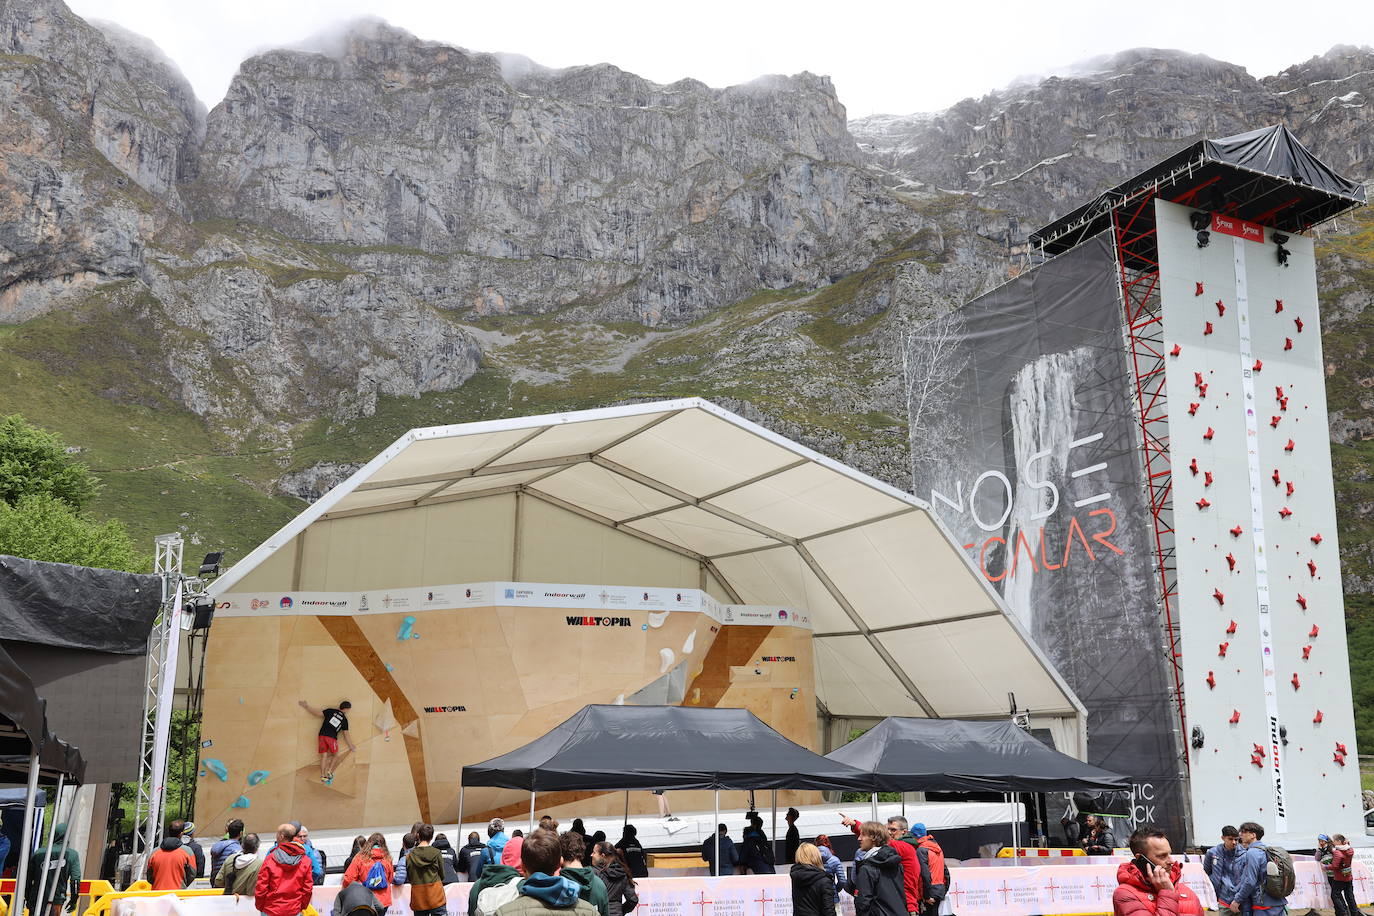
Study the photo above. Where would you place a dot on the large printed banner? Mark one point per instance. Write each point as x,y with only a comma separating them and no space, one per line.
1026,444
1008,891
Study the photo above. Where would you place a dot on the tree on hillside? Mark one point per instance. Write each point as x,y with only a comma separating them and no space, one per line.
42,494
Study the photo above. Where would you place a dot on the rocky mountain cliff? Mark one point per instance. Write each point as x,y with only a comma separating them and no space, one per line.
227,310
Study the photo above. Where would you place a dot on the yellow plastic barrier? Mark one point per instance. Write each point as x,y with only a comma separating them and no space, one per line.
103,905
92,889
1037,852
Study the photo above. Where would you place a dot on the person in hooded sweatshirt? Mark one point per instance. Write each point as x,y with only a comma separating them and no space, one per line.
496,841
1151,883
450,856
372,867
227,846
573,849
813,891
614,872
469,856
831,863
877,885
545,890
284,880
63,871
499,883
425,875
238,874
171,867
633,852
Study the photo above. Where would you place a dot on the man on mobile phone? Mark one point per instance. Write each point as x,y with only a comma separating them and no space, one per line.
1151,883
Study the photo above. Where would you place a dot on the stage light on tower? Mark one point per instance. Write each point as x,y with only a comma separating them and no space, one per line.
1201,221
1280,252
209,567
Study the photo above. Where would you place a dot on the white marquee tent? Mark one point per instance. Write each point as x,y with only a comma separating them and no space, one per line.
685,494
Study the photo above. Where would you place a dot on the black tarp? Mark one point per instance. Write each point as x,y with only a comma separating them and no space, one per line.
77,607
918,755
24,726
1264,175
662,747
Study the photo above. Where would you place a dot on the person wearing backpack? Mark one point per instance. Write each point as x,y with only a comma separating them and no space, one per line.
372,868
1265,877
238,874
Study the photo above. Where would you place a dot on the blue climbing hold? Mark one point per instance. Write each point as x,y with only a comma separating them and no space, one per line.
241,802
217,767
406,624
256,777
390,668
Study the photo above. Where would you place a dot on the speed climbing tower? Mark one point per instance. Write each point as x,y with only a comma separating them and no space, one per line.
1217,277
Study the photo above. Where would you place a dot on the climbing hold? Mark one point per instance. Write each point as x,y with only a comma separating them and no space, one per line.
1231,565
665,660
1290,488
241,802
257,776
1221,309
1221,649
1283,404
1231,628
217,767
1202,391
1197,379
1298,323
1289,446
1237,531
1278,306
390,668
1339,758
1302,602
1206,329
1277,479
1274,421
1285,512
1340,749
1295,682
1192,466
1199,288
1278,392
1259,364
1216,593
1257,760
657,618
1306,653
1209,434
1192,408
1235,716
1314,632
405,629
1317,719
1288,343
1317,538
1311,567
1211,680
1257,749
1176,350
690,643
1203,503
1206,478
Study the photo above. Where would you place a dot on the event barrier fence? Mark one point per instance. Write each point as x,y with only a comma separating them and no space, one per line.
88,891
1063,890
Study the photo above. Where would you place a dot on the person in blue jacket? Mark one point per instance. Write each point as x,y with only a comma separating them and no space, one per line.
729,855
1222,865
1250,881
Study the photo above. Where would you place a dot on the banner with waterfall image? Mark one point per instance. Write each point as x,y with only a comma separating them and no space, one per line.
1025,442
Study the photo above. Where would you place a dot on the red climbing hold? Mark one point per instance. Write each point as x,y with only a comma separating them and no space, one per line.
1314,632
1312,567
1209,434
1176,350
1211,680
1289,446
1192,466
1192,408
1302,603
1290,488
1216,593
1283,404
1237,531
1231,627
1259,364
1277,479
1274,421
1235,716
1202,391
1231,565
1199,288
1257,760
1340,749
1203,503
1206,329
1287,344
1278,306
1206,478
1317,538
1317,719
1197,378
1295,682
1278,392
1338,758
1306,653
1221,649
1285,512
1221,309
1298,323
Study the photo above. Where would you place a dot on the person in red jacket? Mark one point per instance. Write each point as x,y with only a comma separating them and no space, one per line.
284,880
904,844
372,853
1150,884
1341,878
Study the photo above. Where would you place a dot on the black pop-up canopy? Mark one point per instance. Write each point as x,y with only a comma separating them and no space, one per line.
24,729
913,755
662,747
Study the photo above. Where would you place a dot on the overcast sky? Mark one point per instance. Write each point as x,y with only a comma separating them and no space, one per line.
883,56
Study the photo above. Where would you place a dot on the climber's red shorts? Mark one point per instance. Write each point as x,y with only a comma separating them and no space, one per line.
328,745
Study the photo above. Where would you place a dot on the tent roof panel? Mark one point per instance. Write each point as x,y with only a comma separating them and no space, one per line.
699,530
807,500
578,438
604,492
781,577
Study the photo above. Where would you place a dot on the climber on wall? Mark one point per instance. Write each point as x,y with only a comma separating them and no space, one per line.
334,727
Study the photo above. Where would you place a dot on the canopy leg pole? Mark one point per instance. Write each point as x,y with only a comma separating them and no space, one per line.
460,808
21,874
715,827
626,821
532,795
773,837
873,803
62,853
38,900
903,804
